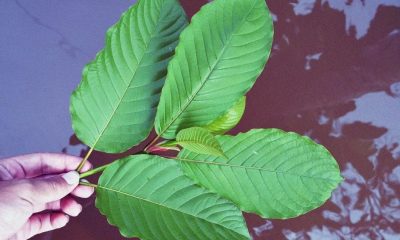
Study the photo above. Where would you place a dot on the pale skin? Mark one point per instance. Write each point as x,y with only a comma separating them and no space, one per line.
38,194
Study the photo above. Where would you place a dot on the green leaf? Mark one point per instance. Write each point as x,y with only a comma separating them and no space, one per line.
113,108
269,172
168,143
218,58
149,197
230,119
199,140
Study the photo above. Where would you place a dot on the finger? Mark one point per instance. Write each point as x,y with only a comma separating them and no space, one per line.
40,223
86,167
33,165
55,205
83,191
68,205
71,207
48,189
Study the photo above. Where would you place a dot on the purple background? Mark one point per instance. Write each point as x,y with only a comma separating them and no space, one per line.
334,75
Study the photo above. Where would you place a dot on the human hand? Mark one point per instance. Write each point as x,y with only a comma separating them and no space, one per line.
34,183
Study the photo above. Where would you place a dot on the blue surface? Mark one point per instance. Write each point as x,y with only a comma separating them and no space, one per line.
44,45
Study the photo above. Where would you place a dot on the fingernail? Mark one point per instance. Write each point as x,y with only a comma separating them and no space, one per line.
71,178
78,210
61,221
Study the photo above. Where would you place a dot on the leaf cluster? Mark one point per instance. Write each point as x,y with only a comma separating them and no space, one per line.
189,82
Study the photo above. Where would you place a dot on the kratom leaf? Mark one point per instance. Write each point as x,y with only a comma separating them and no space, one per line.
113,108
269,172
168,143
199,140
230,119
218,58
149,197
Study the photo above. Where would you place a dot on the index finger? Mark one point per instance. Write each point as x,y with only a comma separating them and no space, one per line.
33,165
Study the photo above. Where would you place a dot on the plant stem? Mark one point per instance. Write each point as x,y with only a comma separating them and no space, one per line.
88,184
84,160
94,171
151,143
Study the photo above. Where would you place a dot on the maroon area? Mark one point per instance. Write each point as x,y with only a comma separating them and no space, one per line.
317,82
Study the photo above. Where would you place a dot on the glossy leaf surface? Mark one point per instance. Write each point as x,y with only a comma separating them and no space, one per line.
228,120
199,140
218,58
114,106
269,172
149,197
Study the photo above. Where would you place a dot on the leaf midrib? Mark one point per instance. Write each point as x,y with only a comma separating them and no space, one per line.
161,205
147,44
202,144
191,98
251,168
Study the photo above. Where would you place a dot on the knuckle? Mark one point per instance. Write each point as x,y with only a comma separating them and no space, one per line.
53,186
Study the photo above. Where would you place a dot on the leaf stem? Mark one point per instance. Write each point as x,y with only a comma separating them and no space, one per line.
151,143
84,159
88,184
94,171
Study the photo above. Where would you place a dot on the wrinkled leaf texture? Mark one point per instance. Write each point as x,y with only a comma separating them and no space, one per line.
199,140
149,197
270,172
113,108
219,56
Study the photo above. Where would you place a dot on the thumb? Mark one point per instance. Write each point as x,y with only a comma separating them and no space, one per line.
53,188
